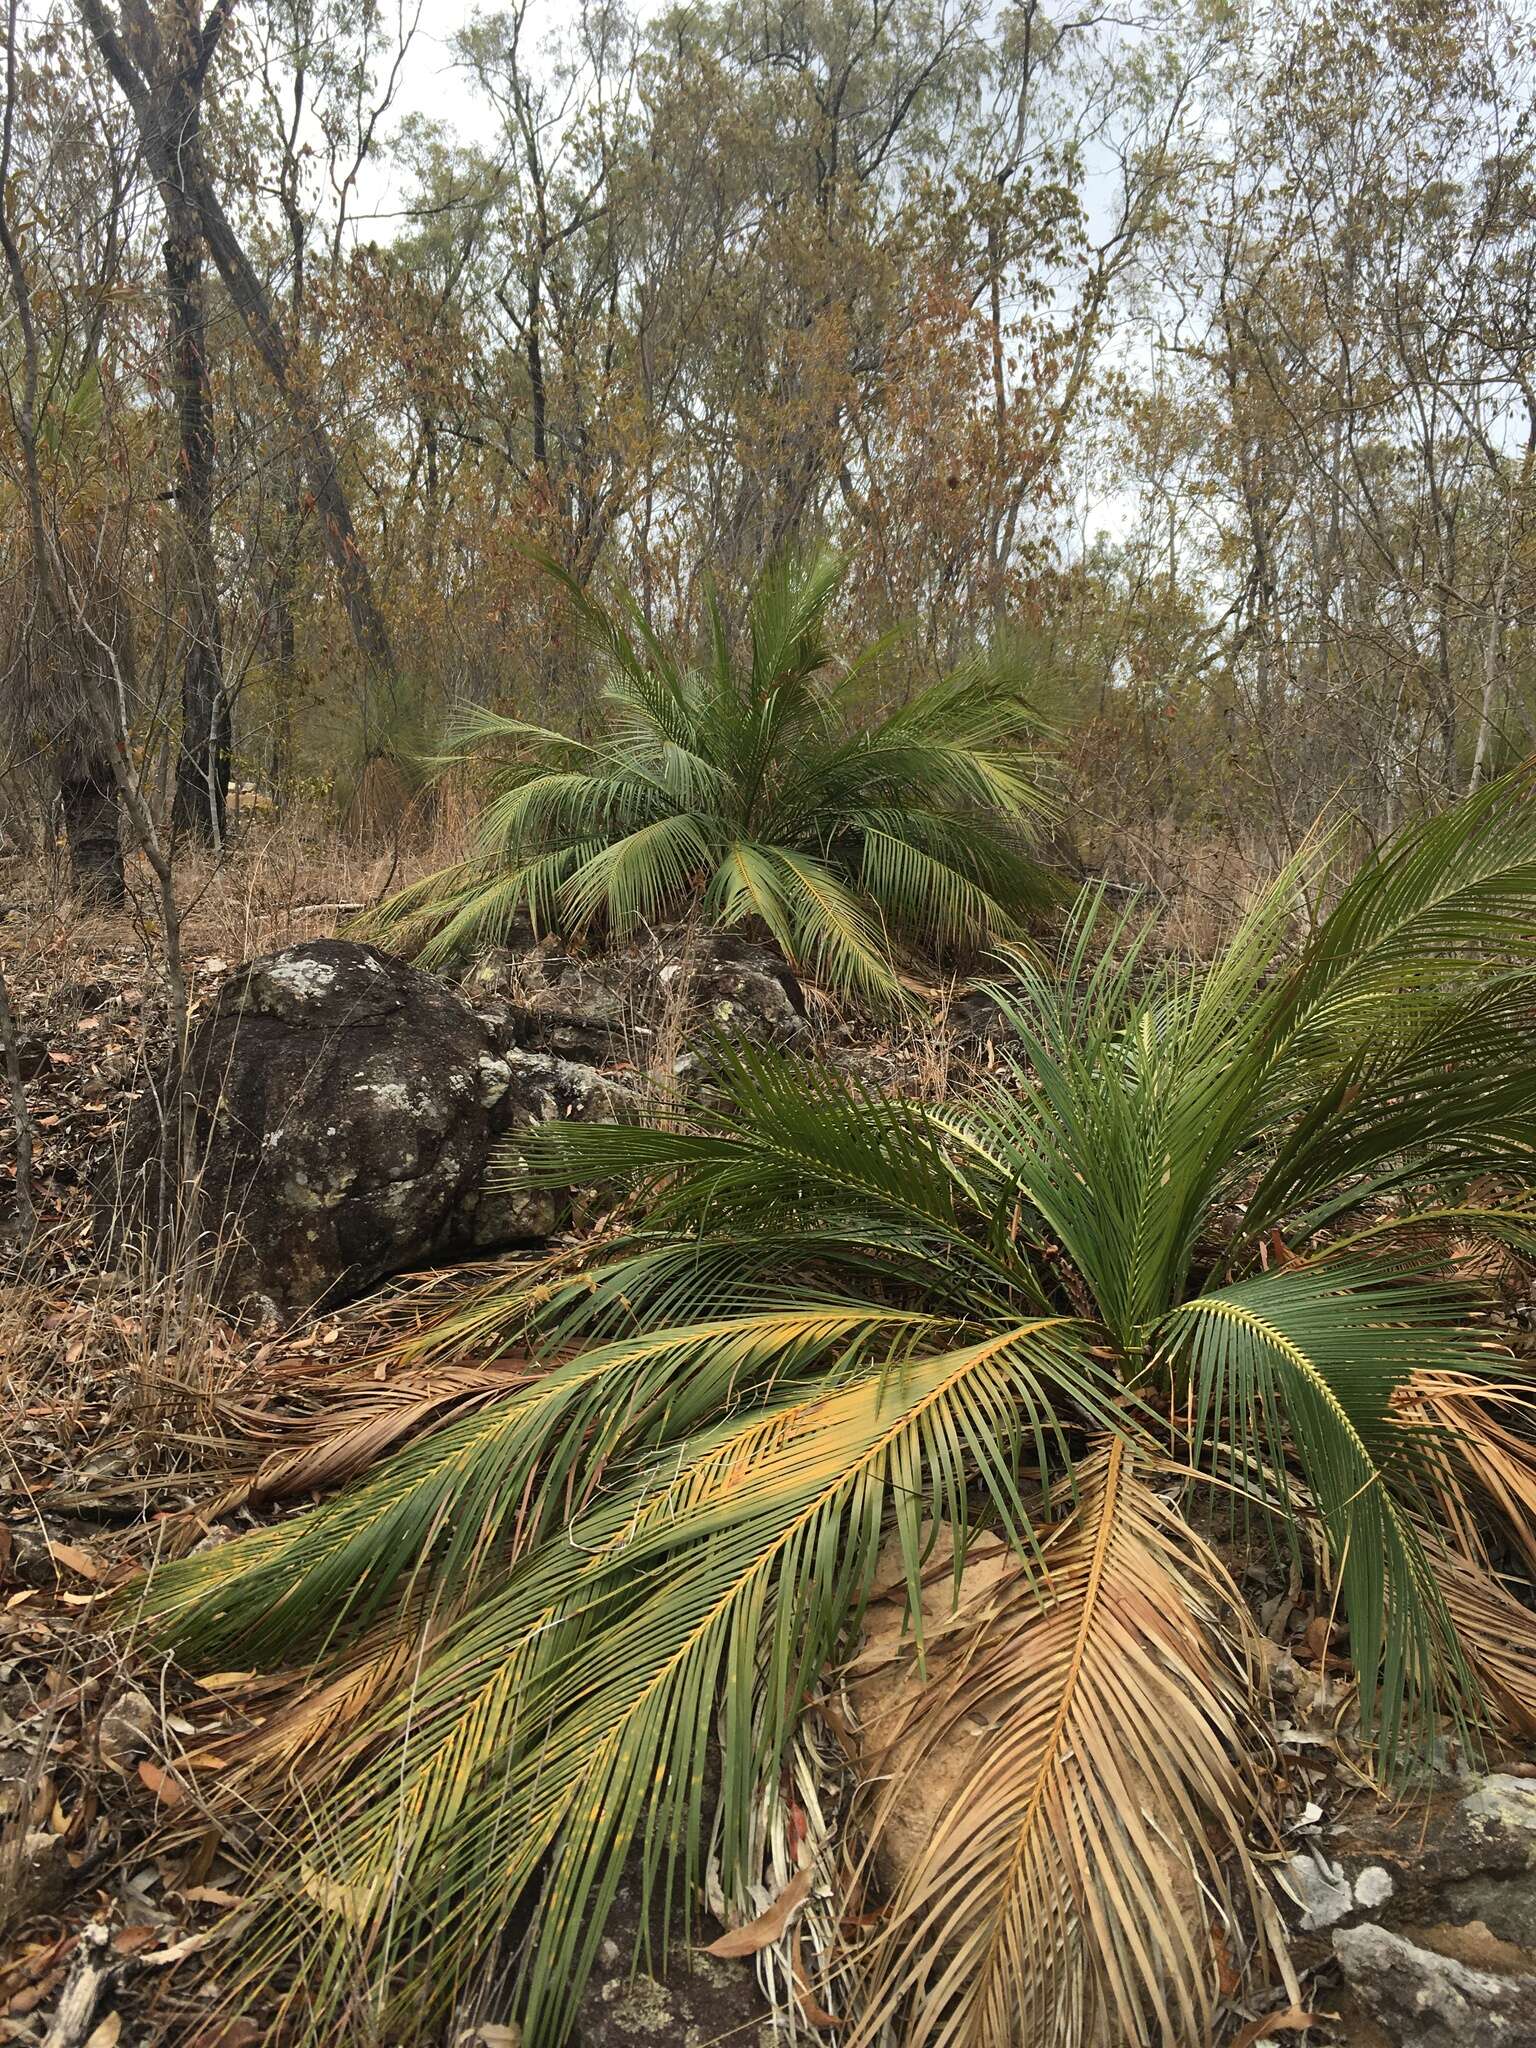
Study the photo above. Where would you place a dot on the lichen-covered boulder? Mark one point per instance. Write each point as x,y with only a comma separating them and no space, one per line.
342,1108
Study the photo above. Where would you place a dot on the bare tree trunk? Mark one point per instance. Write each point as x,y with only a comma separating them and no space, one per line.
88,798
1493,665
202,768
184,173
78,743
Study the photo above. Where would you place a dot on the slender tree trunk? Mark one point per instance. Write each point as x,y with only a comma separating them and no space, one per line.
77,742
182,171
1493,667
537,395
89,800
202,767
285,662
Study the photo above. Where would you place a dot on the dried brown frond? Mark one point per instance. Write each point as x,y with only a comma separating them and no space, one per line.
1495,1630
331,1449
310,1727
1071,1891
1488,1443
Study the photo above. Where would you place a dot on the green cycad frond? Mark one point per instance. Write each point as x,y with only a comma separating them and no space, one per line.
639,876
642,668
809,1158
920,892
481,903
1316,1356
787,621
1448,1097
1120,1124
1062,1895
839,935
1449,897
569,1716
476,725
744,788
465,1500
1387,1062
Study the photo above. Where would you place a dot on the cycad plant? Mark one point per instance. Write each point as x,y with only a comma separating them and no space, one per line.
747,787
1206,1238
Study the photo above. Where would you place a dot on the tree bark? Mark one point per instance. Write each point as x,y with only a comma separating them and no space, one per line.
77,742
88,798
185,174
202,766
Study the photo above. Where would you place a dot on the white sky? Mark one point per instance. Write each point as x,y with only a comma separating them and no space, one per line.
431,85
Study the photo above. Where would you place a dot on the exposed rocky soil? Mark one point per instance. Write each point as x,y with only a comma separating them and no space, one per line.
1430,1912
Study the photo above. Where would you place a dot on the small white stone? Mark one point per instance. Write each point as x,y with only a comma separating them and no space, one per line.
1320,1889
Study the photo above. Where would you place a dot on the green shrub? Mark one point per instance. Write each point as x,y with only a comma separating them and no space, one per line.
742,787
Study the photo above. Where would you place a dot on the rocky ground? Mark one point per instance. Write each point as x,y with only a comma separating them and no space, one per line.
137,1415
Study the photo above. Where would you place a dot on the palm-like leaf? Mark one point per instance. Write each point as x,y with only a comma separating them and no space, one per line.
487,1486
568,1716
1496,1633
742,786
1117,1700
1315,1357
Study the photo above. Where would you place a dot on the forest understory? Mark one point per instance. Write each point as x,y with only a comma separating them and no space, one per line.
767,985
143,1422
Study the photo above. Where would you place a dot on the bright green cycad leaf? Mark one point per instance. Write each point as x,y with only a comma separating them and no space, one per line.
738,788
1315,1356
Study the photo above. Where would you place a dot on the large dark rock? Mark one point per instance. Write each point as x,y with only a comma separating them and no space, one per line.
343,1108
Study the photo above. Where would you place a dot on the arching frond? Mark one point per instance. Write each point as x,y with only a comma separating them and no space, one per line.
1449,897
1497,1633
919,892
1316,1356
469,1497
569,1716
1484,1464
641,876
1073,1890
746,886
537,810
838,935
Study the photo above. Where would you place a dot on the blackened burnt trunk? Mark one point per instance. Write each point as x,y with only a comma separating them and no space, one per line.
202,768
